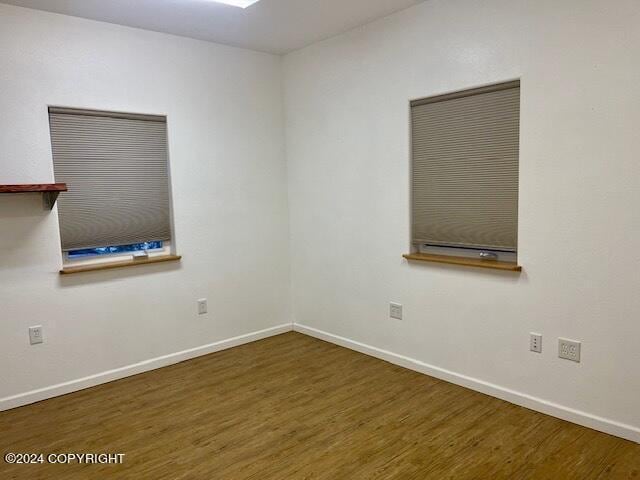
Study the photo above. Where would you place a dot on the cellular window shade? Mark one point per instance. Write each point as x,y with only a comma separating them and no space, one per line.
116,169
465,168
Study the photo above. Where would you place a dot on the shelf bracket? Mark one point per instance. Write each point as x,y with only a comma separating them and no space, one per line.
49,199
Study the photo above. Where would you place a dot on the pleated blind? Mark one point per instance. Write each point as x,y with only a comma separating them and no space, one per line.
465,149
116,168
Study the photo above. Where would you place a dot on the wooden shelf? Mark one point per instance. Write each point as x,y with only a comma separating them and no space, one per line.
464,261
34,187
125,263
50,191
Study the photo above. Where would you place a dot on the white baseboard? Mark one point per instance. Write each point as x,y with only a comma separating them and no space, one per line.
585,419
611,427
145,366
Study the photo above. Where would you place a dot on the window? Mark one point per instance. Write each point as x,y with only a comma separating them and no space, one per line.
116,169
115,250
465,153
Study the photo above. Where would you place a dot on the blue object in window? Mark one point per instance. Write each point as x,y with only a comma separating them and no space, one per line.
135,247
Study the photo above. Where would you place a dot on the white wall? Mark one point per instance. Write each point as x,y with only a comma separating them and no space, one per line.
224,108
348,160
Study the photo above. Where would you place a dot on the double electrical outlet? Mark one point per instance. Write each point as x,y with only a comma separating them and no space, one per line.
36,335
395,310
567,349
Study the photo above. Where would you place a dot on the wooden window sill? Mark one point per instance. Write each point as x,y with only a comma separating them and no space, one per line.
126,263
468,262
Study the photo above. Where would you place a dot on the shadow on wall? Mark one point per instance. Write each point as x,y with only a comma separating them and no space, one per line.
20,206
25,226
503,276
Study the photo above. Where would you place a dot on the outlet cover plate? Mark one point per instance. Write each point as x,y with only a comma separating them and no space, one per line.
535,343
395,310
35,335
569,349
202,306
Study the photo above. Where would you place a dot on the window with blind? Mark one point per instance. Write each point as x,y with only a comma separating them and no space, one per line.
465,152
116,169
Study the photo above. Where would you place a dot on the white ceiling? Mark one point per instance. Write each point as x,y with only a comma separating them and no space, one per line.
276,26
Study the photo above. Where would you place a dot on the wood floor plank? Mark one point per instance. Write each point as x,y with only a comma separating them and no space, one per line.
293,407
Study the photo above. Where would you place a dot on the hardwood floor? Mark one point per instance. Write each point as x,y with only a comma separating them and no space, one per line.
293,407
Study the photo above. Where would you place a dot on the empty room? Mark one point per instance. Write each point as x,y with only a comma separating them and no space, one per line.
319,239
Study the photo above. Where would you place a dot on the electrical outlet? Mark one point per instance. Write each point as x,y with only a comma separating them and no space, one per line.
569,349
395,310
535,342
202,306
35,335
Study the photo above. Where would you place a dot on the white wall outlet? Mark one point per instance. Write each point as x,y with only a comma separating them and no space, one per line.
395,310
36,335
535,342
202,306
569,349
